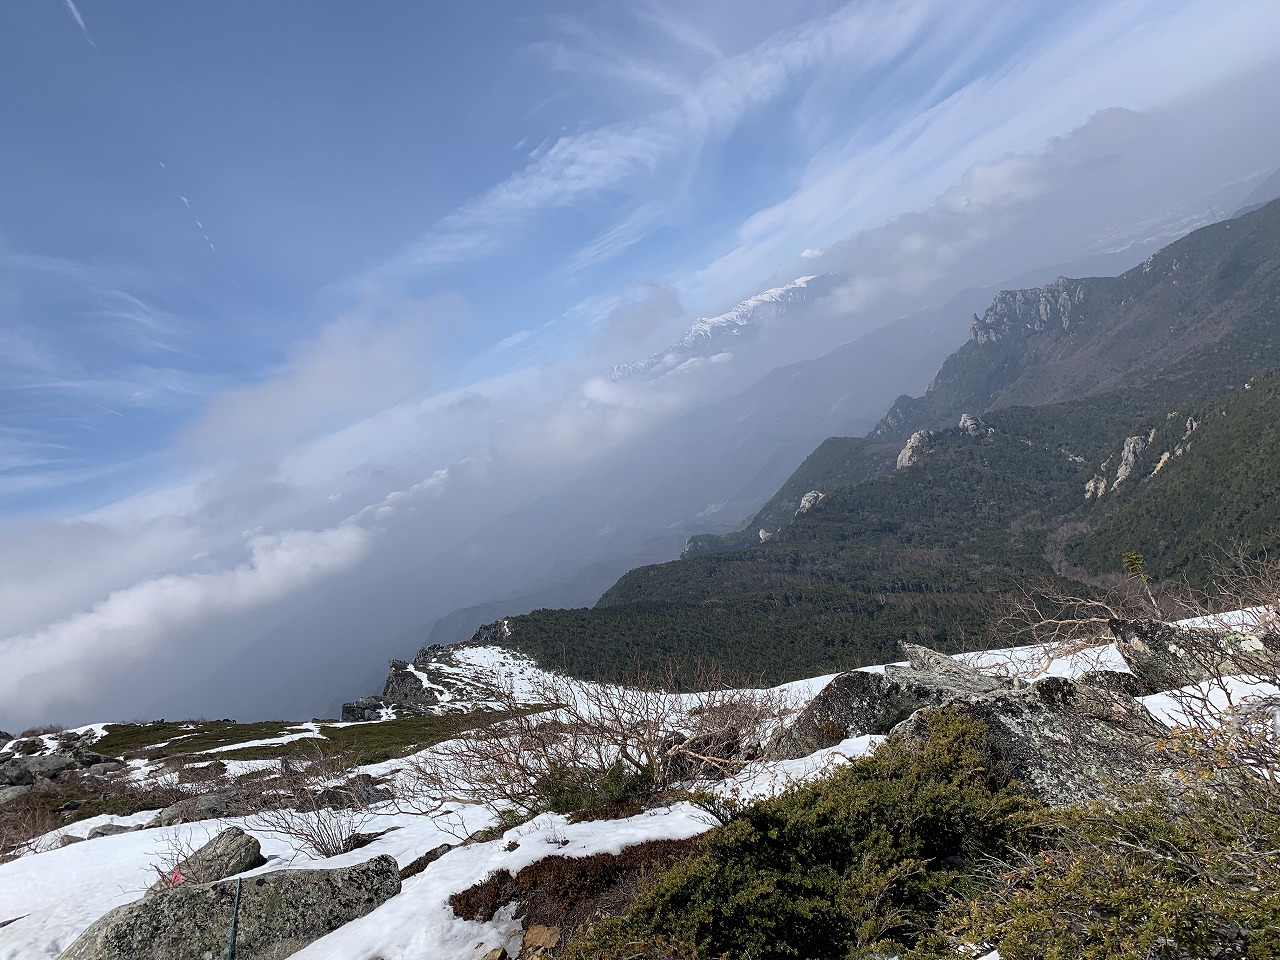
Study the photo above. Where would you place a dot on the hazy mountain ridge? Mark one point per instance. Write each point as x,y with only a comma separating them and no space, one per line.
1074,338
708,336
931,547
1043,344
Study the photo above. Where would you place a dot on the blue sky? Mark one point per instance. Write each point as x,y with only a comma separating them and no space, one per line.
193,189
264,264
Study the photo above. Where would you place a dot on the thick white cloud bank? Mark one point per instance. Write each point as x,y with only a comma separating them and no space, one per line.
66,660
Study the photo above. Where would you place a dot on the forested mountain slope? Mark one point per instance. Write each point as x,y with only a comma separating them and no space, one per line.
1193,321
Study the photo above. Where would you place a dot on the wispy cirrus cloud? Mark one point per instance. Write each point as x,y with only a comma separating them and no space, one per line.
1012,107
577,167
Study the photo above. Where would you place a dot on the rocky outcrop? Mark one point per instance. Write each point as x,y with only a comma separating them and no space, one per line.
358,792
1023,312
206,806
1116,682
403,685
809,501
1133,447
1064,741
112,830
28,765
860,702
23,771
279,914
539,941
230,852
914,451
436,682
12,793
1166,657
974,428
364,710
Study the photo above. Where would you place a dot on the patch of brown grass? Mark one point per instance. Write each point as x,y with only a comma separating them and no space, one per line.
573,893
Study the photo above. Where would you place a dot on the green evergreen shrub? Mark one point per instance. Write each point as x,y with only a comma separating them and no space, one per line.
585,792
856,865
1191,872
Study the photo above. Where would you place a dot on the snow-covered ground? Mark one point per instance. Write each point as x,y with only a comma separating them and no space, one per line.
303,731
52,896
1208,703
58,893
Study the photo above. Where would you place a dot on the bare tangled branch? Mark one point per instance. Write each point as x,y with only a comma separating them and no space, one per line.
588,745
315,801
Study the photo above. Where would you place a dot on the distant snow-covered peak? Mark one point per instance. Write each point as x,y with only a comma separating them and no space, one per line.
709,336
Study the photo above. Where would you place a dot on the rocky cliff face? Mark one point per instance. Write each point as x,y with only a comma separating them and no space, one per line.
1204,302
1015,313
917,446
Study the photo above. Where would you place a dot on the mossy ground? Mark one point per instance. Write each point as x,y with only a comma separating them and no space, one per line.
192,741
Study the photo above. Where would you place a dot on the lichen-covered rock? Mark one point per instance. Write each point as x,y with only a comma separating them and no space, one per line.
32,759
111,830
1116,682
938,669
860,702
22,771
230,852
359,791
87,758
13,793
1064,741
206,806
280,913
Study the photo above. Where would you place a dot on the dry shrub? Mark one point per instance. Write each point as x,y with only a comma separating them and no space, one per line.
1184,864
314,801
597,748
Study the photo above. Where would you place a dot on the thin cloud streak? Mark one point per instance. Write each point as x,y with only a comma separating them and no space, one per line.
84,31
